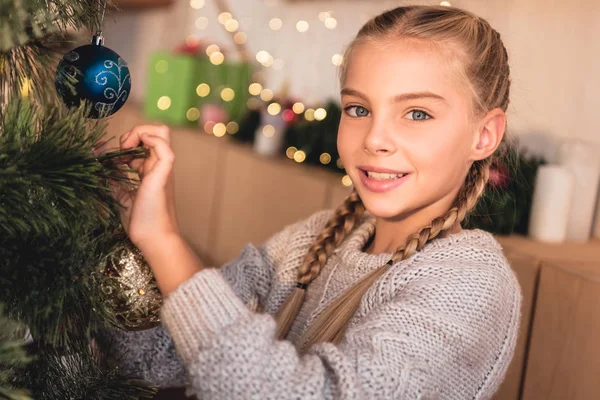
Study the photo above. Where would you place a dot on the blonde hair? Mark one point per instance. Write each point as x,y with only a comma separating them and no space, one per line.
481,60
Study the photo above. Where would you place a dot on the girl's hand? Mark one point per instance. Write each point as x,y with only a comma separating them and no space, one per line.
149,213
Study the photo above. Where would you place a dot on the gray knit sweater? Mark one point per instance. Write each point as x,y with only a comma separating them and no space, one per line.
439,325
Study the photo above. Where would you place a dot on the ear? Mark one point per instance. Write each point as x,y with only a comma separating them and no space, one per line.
489,134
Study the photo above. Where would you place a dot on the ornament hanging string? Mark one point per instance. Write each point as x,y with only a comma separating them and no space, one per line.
101,4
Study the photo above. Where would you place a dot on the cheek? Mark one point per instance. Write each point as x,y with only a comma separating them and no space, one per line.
349,140
443,157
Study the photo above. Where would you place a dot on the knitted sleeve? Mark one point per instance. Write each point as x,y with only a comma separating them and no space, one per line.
151,354
443,337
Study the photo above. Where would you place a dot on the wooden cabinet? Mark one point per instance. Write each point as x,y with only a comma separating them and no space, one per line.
558,350
526,269
227,196
564,357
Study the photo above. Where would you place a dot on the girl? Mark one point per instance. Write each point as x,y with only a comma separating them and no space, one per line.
385,297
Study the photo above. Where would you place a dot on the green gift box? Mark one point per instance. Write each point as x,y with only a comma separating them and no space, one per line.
178,85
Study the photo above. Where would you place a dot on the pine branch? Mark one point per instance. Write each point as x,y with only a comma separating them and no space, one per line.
82,374
22,21
57,218
33,66
13,359
49,175
33,37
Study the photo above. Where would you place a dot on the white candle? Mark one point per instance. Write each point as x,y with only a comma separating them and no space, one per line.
269,138
551,204
583,161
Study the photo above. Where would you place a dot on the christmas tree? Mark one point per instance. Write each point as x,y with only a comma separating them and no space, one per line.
60,236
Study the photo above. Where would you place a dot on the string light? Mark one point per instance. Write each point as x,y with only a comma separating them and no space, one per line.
325,158
161,66
26,87
337,59
240,38
275,24
278,64
232,128
217,58
274,108
192,114
339,163
232,25
213,48
253,104
268,130
320,114
298,108
255,88
299,156
227,94
219,130
269,61
262,56
309,114
346,181
197,4
290,152
224,17
302,26
445,3
203,90
330,23
266,95
164,103
323,15
201,23
208,127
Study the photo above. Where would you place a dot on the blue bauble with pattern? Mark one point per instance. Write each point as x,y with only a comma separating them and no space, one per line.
98,75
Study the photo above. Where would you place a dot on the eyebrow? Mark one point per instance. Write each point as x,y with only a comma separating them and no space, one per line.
398,98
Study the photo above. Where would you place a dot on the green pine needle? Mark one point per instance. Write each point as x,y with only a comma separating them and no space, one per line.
57,217
82,374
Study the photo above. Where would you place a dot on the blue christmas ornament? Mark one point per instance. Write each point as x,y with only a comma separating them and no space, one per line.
96,74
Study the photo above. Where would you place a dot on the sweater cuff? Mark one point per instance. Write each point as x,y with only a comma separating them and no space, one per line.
198,309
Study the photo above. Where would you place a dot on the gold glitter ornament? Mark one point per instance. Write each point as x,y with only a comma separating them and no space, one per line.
130,288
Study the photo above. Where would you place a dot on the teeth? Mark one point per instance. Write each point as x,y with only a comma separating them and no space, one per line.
383,176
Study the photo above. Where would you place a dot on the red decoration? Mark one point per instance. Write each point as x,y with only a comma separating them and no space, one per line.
499,175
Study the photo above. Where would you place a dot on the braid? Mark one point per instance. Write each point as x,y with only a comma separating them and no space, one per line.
336,229
465,201
332,323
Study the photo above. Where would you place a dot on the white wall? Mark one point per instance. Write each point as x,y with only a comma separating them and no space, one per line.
554,50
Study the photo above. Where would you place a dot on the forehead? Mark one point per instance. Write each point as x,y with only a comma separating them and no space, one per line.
388,68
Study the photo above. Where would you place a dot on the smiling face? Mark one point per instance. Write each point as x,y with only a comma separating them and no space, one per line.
406,133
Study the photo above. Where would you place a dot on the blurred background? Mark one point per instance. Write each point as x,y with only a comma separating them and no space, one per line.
250,91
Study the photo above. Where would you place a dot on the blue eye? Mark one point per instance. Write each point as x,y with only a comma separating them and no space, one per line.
356,111
418,115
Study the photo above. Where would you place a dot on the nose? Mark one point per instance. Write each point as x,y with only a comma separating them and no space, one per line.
379,140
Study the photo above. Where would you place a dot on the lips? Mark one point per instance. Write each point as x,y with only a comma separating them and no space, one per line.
380,180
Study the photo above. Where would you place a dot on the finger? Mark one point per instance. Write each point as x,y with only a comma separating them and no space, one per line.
133,139
161,131
136,163
164,156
